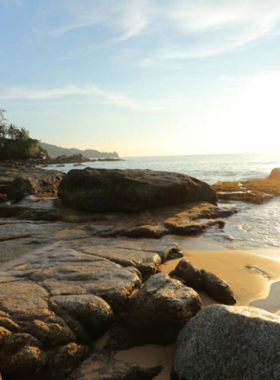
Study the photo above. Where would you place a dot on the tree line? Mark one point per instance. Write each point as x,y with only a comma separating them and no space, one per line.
16,143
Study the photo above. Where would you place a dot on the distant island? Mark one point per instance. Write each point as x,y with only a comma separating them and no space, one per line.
54,151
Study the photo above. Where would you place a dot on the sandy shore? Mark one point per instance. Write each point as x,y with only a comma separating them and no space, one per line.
254,279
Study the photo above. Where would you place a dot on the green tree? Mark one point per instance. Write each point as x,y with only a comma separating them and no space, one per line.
16,144
23,134
12,131
3,131
2,118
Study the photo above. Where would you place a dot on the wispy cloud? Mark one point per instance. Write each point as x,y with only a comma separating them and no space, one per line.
92,91
201,29
18,3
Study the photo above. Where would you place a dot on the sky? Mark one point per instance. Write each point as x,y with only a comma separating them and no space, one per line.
143,77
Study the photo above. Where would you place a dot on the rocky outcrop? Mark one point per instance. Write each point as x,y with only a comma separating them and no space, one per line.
55,306
148,263
202,280
223,342
21,187
275,175
255,191
16,183
100,190
158,311
59,299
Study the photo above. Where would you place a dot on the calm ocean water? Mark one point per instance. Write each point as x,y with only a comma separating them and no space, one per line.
254,226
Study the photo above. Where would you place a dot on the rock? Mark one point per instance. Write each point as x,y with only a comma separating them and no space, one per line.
99,190
109,159
21,358
74,158
23,300
217,288
146,232
197,219
201,280
173,253
103,366
190,228
147,263
255,191
189,275
92,312
36,176
50,334
23,186
275,174
68,272
64,361
3,333
223,342
158,311
38,207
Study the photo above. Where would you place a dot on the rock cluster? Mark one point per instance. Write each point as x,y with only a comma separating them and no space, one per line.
15,184
202,280
54,307
255,191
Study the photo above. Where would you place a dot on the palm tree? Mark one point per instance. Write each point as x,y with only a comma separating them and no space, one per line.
2,116
12,131
3,130
22,134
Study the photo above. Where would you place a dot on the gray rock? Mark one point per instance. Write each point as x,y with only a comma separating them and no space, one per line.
68,272
189,275
217,288
223,342
158,311
93,313
147,263
99,190
201,280
23,186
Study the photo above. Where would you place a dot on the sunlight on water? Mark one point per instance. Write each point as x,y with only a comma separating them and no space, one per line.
210,168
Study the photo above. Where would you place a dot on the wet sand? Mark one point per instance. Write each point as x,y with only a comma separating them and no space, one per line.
252,278
249,275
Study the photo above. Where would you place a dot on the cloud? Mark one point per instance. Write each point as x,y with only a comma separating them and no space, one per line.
18,3
92,91
178,29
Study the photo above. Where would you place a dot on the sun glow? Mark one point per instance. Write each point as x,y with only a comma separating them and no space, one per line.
257,120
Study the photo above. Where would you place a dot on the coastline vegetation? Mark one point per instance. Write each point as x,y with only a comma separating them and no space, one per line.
16,143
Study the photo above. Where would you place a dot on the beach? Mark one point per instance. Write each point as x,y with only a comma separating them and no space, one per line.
64,265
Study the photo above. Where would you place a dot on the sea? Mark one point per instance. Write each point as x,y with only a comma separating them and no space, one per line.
253,227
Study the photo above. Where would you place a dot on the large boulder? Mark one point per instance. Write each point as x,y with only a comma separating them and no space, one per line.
100,190
158,311
225,342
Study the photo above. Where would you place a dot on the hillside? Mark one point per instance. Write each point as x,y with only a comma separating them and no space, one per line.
55,151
